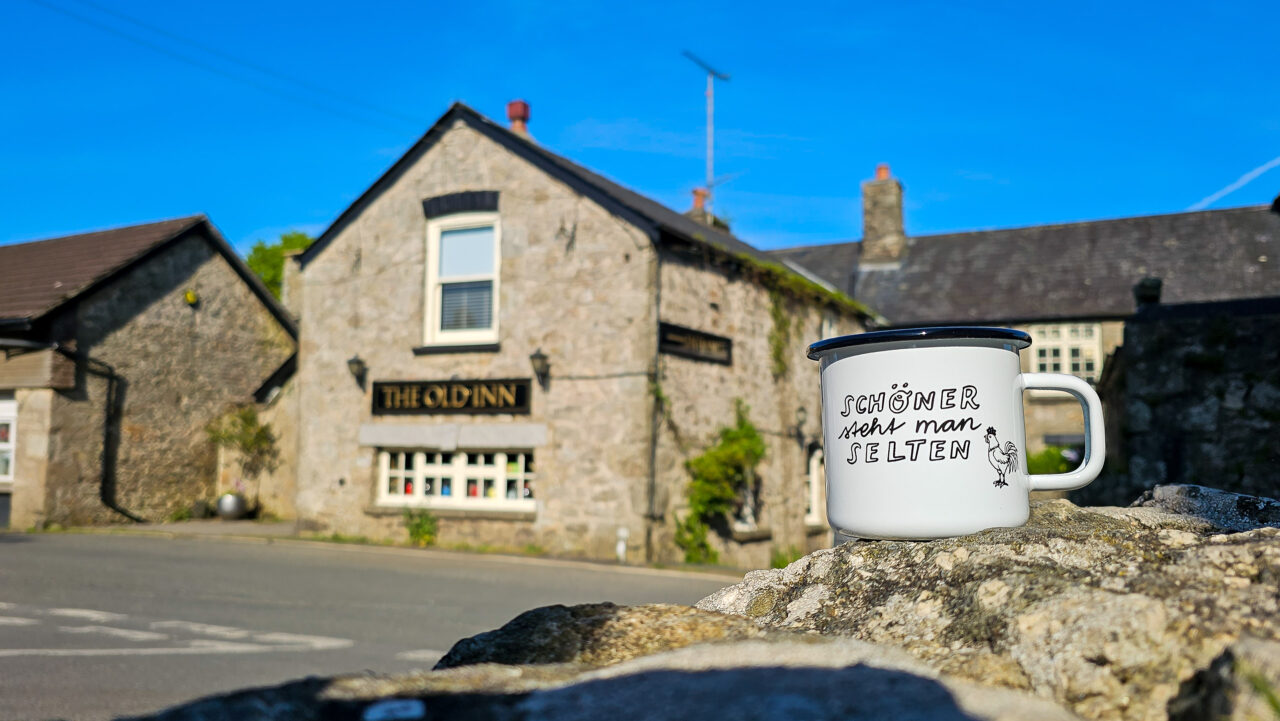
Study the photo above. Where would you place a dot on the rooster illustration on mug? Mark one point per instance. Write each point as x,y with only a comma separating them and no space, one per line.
1002,458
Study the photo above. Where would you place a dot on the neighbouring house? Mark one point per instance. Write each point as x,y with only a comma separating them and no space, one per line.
531,352
1068,285
118,348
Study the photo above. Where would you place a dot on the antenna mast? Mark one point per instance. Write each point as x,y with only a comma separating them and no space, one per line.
712,76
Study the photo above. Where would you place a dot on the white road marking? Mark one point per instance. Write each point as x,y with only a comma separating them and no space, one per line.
203,629
87,614
225,639
314,643
128,634
17,621
430,655
6,606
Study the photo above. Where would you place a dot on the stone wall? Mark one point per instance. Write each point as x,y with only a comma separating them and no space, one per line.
175,368
699,295
31,464
576,282
1194,397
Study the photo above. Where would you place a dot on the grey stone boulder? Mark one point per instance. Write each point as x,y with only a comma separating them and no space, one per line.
745,680
597,634
1107,610
1224,510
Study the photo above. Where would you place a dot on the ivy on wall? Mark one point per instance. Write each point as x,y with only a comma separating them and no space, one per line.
718,478
779,334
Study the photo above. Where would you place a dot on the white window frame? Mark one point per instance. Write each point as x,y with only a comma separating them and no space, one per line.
431,332
828,327
9,414
459,471
815,487
1087,338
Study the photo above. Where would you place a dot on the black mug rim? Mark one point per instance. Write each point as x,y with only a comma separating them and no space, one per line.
949,332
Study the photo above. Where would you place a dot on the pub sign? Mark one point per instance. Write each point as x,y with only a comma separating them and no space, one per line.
508,395
694,344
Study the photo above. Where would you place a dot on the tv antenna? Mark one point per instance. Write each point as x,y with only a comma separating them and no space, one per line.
712,76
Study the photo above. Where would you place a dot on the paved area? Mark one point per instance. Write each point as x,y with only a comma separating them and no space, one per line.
96,626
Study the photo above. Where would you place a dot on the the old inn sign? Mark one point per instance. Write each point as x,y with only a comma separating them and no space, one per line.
510,395
694,344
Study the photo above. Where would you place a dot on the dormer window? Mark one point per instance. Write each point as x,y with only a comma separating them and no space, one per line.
463,257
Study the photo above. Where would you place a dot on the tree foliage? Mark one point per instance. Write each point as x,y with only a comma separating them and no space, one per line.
267,261
254,441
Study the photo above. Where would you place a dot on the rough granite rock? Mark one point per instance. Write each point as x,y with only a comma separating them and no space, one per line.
1243,684
1228,511
1107,610
768,680
596,634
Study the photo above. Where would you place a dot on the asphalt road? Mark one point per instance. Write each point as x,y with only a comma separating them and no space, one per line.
96,626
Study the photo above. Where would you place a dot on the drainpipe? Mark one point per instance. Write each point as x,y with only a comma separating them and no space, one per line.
110,421
655,417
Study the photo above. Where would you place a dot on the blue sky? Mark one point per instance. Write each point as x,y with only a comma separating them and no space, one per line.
992,114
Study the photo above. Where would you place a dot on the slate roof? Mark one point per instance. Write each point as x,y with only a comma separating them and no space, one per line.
649,215
1062,272
43,275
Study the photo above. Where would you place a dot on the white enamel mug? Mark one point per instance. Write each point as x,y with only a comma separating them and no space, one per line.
924,434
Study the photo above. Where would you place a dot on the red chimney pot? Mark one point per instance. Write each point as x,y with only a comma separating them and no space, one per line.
700,198
882,171
518,114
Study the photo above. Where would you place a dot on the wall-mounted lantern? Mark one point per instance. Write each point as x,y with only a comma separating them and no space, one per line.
541,367
359,369
802,415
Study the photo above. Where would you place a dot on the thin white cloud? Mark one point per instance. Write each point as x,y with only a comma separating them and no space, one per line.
1242,181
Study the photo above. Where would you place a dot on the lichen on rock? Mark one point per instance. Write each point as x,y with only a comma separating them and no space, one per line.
1107,610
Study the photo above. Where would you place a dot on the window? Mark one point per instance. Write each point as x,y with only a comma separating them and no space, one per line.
828,327
1074,348
462,279
480,479
815,487
8,433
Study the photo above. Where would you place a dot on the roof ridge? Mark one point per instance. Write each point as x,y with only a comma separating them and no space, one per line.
193,220
1096,221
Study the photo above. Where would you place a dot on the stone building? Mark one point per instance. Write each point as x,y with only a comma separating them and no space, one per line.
118,348
532,351
1192,396
1068,285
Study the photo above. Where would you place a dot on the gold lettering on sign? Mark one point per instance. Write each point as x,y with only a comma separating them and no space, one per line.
506,395
434,396
458,396
390,397
413,397
486,396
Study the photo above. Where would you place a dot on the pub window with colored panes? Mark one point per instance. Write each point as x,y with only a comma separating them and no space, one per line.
1074,348
461,479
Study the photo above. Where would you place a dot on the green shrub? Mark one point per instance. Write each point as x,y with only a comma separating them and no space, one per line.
422,527
718,477
1050,460
780,558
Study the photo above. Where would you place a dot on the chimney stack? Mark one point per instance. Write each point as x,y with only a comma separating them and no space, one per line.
518,115
700,199
883,236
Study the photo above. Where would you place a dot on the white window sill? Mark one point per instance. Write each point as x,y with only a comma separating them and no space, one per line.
473,511
463,503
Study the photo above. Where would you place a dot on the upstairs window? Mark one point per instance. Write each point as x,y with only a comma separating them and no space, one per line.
462,279
1074,348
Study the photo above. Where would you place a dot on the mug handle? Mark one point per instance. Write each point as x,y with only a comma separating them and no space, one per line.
1095,440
